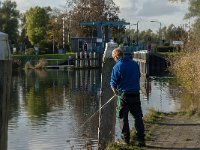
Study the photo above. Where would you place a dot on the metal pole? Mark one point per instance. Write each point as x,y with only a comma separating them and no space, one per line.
160,33
137,33
159,30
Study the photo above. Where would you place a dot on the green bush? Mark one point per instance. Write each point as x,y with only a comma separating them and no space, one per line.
165,49
30,51
44,47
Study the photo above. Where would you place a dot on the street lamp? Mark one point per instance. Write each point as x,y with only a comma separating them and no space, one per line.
160,29
137,31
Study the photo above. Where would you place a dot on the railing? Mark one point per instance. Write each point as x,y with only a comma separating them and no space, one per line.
87,60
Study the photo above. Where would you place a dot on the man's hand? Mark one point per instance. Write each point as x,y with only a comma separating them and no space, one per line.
115,92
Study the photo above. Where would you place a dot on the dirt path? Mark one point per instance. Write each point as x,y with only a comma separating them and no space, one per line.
176,132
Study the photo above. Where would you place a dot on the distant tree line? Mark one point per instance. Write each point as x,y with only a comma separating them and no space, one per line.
43,26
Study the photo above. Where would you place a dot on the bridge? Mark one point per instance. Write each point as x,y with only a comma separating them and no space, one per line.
107,25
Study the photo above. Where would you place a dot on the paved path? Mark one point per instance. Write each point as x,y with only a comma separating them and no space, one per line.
175,133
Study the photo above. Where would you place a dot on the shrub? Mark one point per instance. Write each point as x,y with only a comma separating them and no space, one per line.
165,49
30,51
185,66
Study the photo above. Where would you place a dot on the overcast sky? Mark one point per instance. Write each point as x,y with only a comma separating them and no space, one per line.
132,11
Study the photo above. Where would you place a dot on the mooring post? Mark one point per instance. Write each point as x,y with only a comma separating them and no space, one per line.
107,115
5,86
86,60
94,59
77,60
90,58
81,60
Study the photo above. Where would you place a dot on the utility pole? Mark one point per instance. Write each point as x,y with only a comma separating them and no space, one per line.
137,32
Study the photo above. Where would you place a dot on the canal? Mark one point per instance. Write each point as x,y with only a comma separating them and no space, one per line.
47,108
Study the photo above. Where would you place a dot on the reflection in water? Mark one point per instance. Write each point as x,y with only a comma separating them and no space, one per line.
5,84
159,94
47,108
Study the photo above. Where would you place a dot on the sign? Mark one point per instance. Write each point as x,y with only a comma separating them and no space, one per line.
177,42
99,40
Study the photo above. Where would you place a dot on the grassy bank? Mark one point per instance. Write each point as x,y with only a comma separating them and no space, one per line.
20,60
150,120
45,56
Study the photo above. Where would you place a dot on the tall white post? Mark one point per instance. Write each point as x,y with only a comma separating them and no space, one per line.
53,44
63,32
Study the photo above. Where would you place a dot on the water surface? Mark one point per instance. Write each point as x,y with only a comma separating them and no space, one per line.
48,107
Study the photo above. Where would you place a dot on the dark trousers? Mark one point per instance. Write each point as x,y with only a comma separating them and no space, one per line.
131,102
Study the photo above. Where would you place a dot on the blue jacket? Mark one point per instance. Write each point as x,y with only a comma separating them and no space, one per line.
125,76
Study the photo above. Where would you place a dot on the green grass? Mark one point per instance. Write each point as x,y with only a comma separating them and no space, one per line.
118,146
45,56
167,54
149,119
24,58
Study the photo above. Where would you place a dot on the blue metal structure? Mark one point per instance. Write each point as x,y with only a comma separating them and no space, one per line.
107,25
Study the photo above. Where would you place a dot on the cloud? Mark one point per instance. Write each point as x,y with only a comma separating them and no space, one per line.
131,10
146,10
24,5
157,8
125,4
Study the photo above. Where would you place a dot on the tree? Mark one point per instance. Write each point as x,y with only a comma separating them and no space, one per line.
36,23
87,10
9,16
55,28
194,8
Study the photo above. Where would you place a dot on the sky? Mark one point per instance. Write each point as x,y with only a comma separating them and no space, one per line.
133,11
161,11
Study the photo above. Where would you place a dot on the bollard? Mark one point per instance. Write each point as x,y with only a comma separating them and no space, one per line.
94,59
77,60
85,60
91,59
81,60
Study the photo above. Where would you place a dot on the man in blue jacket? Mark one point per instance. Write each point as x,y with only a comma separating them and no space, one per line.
125,83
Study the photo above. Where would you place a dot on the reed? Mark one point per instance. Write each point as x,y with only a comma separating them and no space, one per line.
186,65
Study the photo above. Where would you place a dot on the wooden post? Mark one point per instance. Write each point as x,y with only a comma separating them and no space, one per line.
77,61
81,60
95,59
91,60
5,86
86,60
107,115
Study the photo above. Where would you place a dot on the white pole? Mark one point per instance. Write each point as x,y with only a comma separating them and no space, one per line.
53,44
63,32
